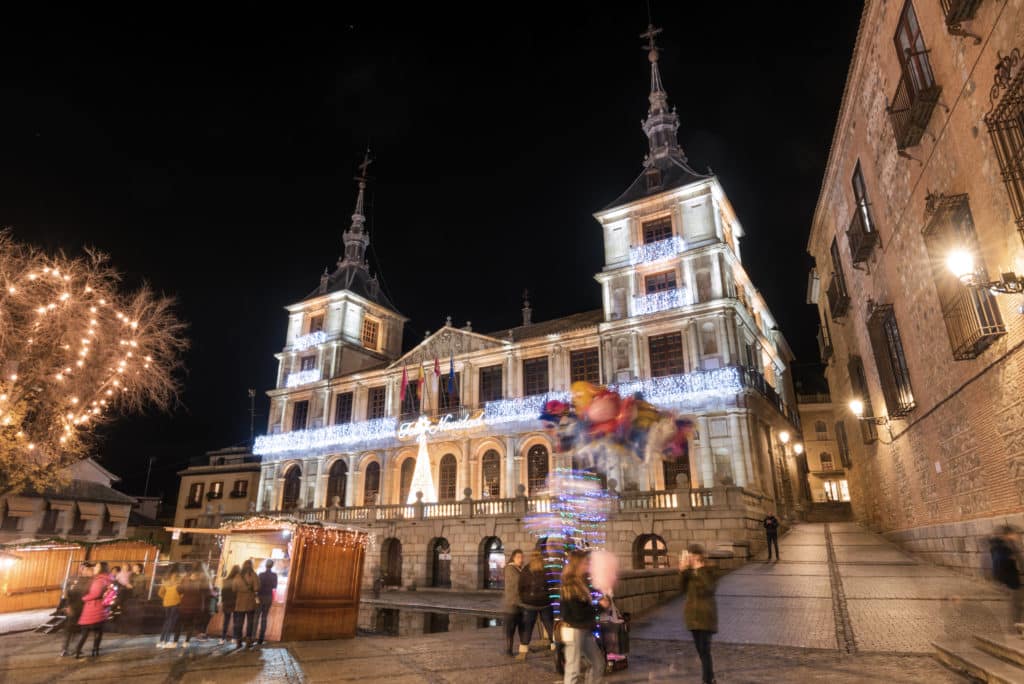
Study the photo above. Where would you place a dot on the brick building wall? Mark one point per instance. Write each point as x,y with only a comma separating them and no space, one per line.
953,466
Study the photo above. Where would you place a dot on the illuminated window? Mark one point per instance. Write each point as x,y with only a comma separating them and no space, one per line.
491,466
337,481
240,490
308,363
371,484
316,323
659,282
447,474
650,551
405,479
216,491
536,468
195,495
371,333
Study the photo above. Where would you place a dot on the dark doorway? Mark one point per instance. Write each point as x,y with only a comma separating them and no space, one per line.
292,488
391,562
441,563
434,623
493,563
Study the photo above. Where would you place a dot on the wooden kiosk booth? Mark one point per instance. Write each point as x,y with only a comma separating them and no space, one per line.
319,570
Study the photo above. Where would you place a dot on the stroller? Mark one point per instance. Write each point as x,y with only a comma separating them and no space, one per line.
612,637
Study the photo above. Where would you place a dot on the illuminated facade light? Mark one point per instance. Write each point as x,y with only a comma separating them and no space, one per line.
660,301
362,434
688,387
302,377
656,251
311,340
520,409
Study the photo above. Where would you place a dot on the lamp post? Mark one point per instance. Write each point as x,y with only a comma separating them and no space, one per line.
961,263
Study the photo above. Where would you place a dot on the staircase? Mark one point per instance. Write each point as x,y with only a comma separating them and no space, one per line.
833,511
55,623
996,658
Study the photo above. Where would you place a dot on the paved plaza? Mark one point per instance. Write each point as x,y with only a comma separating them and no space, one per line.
863,612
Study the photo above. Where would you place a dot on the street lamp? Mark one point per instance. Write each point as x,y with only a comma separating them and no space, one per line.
960,263
857,408
784,437
798,448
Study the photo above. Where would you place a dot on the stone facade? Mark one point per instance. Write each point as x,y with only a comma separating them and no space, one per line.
948,453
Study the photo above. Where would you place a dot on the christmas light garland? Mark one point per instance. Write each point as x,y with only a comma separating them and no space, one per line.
303,377
311,340
309,534
660,301
656,251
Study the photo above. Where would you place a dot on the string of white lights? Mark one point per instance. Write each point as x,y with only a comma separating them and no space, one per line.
364,433
302,377
311,340
659,301
656,251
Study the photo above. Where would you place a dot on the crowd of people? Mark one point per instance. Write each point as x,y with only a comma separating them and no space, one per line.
96,594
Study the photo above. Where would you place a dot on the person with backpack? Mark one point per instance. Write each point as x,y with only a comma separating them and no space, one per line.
94,611
535,600
1006,569
170,596
78,588
227,601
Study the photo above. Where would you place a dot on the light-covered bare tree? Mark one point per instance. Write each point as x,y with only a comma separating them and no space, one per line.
76,351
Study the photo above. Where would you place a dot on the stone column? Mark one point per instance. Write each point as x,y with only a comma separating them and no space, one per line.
466,475
693,346
508,479
705,461
634,343
353,481
385,462
739,467
716,275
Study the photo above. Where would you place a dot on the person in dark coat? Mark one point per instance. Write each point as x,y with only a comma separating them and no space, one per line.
1006,569
227,601
94,613
192,611
246,586
700,612
265,598
512,612
771,531
579,621
78,588
535,599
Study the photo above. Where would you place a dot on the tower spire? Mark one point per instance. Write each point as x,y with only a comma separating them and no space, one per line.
661,123
355,238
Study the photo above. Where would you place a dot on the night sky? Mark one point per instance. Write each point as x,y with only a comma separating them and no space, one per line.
213,157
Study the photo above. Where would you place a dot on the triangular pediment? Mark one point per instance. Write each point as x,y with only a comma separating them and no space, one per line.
445,342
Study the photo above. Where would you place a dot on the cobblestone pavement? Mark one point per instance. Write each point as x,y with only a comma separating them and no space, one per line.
475,602
471,658
893,603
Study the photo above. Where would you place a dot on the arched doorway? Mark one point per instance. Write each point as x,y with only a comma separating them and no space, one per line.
440,563
292,489
447,474
337,481
492,560
405,479
371,487
491,467
391,562
536,468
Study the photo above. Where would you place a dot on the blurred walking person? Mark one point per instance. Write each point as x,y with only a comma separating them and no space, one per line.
170,598
265,598
700,611
1006,568
94,612
77,589
512,611
227,601
771,531
195,597
246,586
579,621
535,600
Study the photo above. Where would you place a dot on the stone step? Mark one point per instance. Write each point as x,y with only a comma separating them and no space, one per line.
1009,647
966,658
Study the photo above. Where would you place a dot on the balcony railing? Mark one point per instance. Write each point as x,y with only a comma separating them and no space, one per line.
656,251
956,11
973,322
303,377
911,110
862,235
838,298
659,301
824,345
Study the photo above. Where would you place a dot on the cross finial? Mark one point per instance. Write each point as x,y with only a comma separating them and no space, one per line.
650,35
364,167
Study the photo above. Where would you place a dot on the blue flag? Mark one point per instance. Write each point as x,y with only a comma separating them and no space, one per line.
451,374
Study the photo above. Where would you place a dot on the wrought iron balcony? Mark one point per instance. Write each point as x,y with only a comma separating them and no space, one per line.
838,298
824,345
912,107
973,322
862,234
956,11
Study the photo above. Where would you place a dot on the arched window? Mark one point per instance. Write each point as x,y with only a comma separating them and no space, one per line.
491,466
493,563
446,476
405,479
650,551
337,480
292,489
536,468
672,469
371,484
391,562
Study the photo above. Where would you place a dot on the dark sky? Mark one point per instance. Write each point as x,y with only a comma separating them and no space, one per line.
213,157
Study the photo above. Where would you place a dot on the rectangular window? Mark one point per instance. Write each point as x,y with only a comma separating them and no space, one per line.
659,282
861,234
917,93
826,461
195,495
658,229
240,490
490,384
890,360
343,408
535,376
300,413
838,297
584,365
316,323
411,403
972,318
11,523
371,333
1005,124
186,539
859,384
50,518
307,363
216,491
448,400
376,404
844,444
666,353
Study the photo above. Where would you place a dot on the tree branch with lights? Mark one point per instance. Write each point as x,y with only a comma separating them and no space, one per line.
77,351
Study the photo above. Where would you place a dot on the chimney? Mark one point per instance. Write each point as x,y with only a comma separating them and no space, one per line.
527,311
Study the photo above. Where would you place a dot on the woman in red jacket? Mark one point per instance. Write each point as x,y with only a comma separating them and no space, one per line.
94,613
